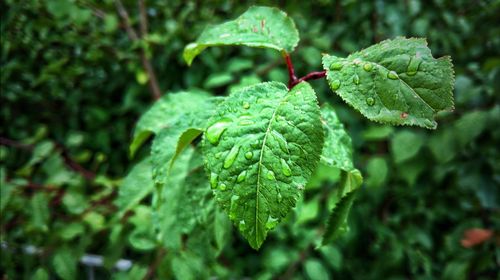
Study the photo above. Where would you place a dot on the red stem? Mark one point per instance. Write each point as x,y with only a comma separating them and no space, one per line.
292,79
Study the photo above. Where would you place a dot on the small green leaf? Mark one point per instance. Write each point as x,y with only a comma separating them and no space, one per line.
260,149
405,145
136,186
350,183
315,270
171,141
165,112
396,82
337,150
377,170
64,263
261,27
40,212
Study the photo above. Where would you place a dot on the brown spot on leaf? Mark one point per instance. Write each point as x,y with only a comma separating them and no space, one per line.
404,115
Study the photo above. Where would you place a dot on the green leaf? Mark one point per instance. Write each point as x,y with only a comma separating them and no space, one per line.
64,263
396,82
164,113
136,186
315,270
351,181
405,145
40,212
337,150
261,27
260,150
377,170
171,141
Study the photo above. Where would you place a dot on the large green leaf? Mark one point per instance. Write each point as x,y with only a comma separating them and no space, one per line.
166,112
260,150
337,151
172,140
261,27
396,81
337,222
136,186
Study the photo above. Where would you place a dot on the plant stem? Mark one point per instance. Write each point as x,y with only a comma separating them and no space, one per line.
292,78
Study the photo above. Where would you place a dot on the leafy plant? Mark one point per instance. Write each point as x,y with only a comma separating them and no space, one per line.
262,144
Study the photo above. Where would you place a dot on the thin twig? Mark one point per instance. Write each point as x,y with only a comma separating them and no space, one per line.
291,71
310,76
152,268
152,81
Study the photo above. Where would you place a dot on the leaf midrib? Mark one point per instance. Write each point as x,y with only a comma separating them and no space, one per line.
259,170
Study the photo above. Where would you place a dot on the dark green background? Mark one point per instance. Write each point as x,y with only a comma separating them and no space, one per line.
73,86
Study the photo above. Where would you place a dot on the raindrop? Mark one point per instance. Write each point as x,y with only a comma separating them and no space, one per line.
336,66
242,226
255,144
281,141
392,75
280,197
246,105
355,79
368,67
222,187
414,65
246,122
241,177
335,84
213,180
215,131
370,101
231,157
270,175
271,223
285,168
248,155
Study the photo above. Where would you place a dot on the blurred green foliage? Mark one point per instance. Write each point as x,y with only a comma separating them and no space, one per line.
73,85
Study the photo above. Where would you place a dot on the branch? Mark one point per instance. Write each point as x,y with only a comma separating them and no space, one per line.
310,76
154,265
291,71
152,81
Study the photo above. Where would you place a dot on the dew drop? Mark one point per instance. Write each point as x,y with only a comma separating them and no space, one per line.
241,177
222,187
285,168
370,101
271,223
281,141
231,157
280,197
213,180
368,67
336,66
246,122
392,75
242,226
215,131
335,84
255,144
355,79
413,65
270,175
246,105
248,155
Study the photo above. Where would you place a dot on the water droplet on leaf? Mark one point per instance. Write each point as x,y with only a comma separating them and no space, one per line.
285,168
355,79
231,157
280,197
242,226
368,67
336,66
335,84
270,175
222,187
370,101
213,180
215,131
271,223
392,75
248,155
414,65
246,105
241,177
